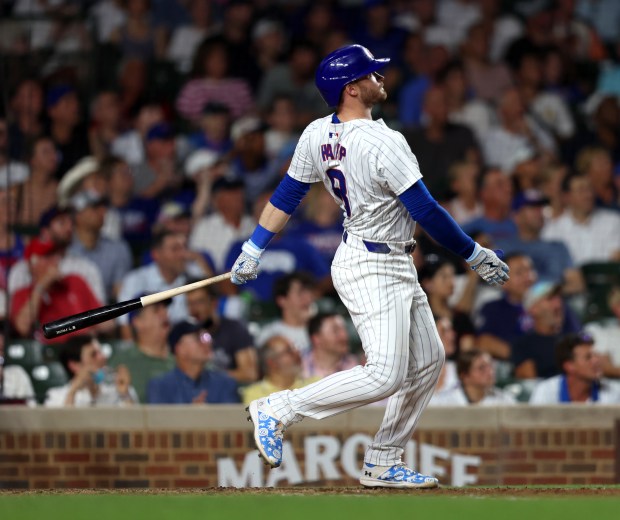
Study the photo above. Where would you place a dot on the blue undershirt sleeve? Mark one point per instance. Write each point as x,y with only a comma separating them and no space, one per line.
435,220
288,194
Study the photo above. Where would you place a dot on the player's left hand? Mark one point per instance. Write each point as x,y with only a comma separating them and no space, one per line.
488,266
245,267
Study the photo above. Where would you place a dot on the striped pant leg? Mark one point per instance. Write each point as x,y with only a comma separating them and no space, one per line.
378,291
404,408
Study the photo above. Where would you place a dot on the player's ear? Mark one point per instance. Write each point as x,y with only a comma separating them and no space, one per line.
351,89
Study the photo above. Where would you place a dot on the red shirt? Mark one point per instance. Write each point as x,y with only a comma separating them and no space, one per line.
69,295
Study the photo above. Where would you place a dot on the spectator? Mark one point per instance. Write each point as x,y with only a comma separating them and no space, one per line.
129,146
516,130
589,233
15,382
112,257
233,346
501,322
464,204
212,82
216,233
597,165
132,84
281,134
437,278
158,175
137,37
487,80
532,353
168,271
186,38
11,243
448,378
149,355
90,383
203,168
281,366
496,197
580,375
56,226
39,189
476,384
105,123
249,159
25,109
65,128
551,258
269,43
295,296
288,253
439,143
51,295
294,78
131,214
329,346
606,335
191,381
213,130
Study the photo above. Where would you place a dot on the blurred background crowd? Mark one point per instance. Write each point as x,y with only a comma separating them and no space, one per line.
139,141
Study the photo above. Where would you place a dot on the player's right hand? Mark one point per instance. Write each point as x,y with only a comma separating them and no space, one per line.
488,266
245,267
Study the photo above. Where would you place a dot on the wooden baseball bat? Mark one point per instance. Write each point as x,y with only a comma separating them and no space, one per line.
63,326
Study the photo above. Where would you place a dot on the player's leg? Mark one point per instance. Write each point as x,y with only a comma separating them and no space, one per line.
382,461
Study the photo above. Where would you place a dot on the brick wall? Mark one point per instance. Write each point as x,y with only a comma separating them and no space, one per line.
137,447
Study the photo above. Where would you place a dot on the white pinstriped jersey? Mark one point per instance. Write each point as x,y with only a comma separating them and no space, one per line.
363,164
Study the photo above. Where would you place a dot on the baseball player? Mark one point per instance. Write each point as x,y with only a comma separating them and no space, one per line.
372,173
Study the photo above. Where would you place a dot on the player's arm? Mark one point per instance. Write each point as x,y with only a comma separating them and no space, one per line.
438,223
274,217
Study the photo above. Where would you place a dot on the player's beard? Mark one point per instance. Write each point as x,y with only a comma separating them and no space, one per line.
370,96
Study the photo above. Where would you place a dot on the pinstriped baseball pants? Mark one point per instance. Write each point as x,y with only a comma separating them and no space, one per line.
404,353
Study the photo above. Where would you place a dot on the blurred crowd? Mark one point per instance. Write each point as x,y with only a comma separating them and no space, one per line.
140,140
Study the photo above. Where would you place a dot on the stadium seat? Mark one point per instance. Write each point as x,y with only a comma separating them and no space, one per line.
28,352
46,376
111,347
599,278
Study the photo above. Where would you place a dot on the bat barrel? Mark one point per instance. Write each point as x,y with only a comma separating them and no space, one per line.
85,319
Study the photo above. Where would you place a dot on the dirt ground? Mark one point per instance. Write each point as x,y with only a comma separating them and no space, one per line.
521,491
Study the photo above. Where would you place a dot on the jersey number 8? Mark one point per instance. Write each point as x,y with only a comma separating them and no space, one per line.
339,187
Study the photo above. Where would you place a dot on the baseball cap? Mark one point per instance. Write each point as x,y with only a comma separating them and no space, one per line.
179,330
55,94
227,183
200,160
38,247
538,291
244,126
172,210
133,314
528,198
86,199
161,131
72,179
49,215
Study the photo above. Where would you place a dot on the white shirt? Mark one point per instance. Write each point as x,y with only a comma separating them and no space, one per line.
456,397
148,280
108,396
363,164
216,236
129,147
17,384
548,392
606,334
595,240
19,275
551,109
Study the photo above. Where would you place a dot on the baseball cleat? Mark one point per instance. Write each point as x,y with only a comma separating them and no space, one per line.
268,432
398,476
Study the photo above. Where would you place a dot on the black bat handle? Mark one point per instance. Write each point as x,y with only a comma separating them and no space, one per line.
63,326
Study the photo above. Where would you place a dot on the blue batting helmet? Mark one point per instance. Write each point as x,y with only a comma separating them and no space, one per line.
342,67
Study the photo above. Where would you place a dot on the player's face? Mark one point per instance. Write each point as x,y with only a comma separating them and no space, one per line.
371,89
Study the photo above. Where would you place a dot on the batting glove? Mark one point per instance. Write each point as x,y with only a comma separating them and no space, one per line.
488,265
245,267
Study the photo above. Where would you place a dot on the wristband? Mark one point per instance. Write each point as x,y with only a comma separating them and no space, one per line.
261,237
477,249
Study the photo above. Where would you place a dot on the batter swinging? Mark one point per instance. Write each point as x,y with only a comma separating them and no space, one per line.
372,173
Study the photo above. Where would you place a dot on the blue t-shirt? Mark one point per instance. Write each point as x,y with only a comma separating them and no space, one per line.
176,387
504,320
325,239
498,230
283,256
